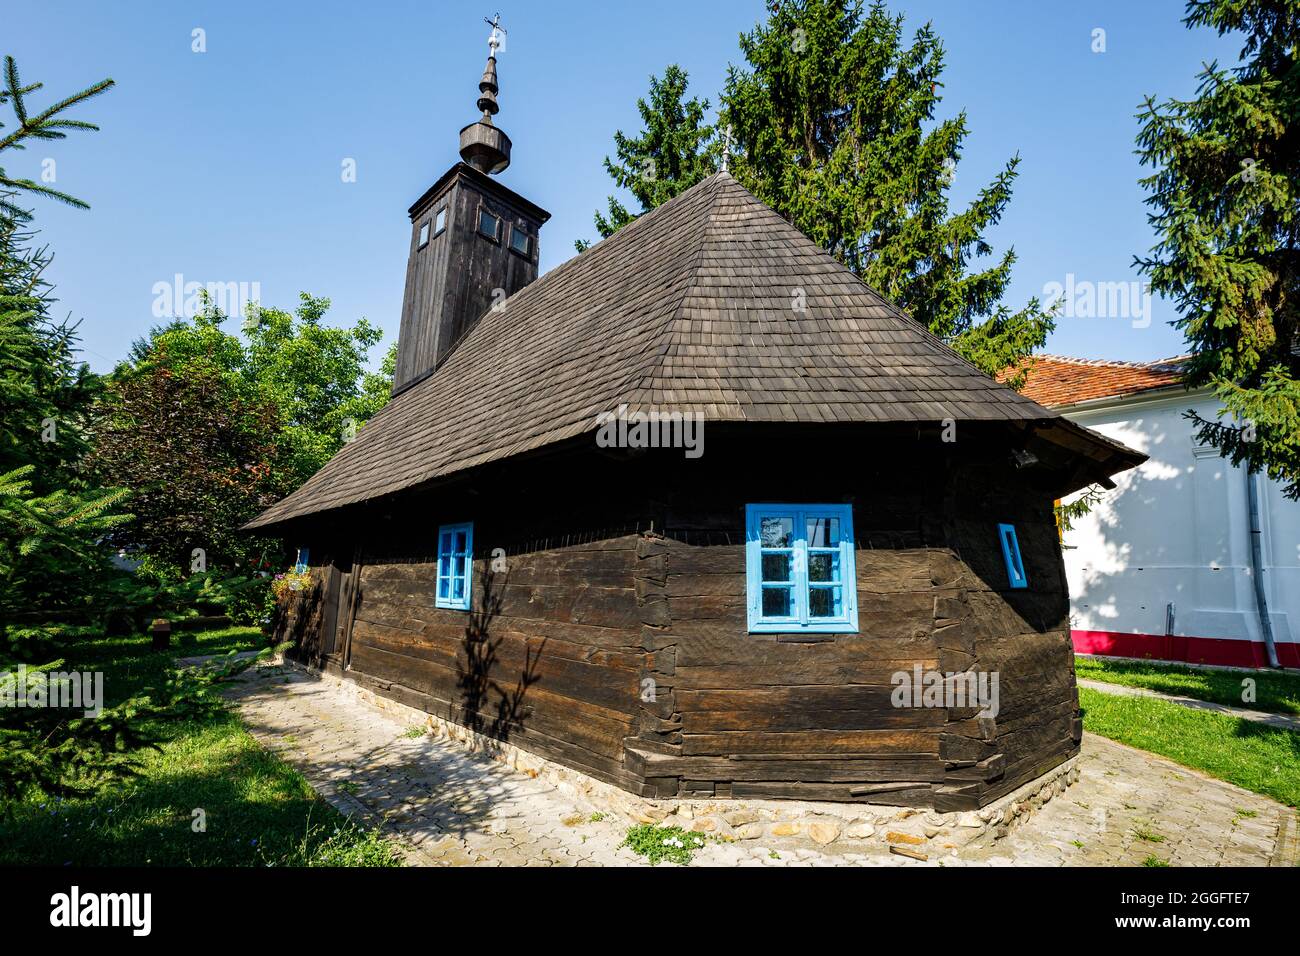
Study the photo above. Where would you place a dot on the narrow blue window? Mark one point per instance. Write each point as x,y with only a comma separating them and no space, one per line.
1011,554
800,569
300,562
455,565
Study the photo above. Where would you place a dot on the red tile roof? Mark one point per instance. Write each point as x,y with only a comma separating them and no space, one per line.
1056,380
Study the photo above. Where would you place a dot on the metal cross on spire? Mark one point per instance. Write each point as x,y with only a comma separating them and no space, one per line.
726,148
497,37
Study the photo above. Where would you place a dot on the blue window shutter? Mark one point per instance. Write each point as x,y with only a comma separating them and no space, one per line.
455,568
1011,555
797,581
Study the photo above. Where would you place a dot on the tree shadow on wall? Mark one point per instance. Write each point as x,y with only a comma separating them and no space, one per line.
474,678
1127,556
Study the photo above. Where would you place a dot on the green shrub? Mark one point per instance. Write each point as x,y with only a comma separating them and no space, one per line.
132,600
663,843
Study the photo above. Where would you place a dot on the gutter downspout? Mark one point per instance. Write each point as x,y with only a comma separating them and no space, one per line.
1257,566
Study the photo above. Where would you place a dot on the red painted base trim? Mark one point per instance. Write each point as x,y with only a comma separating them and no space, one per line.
1190,650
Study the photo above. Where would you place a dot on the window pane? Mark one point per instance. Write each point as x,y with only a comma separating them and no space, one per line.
424,234
777,602
444,566
460,542
519,240
824,602
824,566
457,589
440,223
1013,549
776,567
823,532
487,223
777,532
442,587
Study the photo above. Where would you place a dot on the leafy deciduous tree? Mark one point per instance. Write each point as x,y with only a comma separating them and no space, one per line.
199,459
312,375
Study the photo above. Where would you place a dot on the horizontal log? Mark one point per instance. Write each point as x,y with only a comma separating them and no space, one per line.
801,719
693,585
889,741
875,698
904,794
804,769
1028,768
892,571
721,642
795,671
707,559
709,607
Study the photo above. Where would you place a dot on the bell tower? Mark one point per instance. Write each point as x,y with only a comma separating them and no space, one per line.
474,242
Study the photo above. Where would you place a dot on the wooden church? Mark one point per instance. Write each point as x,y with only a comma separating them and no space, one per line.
838,505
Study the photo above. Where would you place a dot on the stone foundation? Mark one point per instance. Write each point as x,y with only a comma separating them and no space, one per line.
908,831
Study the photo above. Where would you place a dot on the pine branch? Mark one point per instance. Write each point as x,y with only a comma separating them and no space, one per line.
42,126
43,190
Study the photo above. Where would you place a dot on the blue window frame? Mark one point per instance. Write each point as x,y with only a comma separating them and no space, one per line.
455,566
300,563
1011,554
800,569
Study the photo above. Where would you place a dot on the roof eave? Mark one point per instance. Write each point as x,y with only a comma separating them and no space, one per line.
1154,393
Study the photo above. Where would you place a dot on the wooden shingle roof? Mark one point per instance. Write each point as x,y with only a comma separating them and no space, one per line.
711,303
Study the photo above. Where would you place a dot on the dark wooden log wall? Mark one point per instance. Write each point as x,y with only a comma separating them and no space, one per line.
540,662
763,715
614,639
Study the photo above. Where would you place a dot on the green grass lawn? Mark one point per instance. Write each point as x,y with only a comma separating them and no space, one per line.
257,809
1274,692
1251,755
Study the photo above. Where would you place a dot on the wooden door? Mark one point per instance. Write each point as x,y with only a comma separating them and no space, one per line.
339,592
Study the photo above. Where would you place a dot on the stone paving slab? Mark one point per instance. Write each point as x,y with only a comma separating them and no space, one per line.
447,806
1281,721
1130,805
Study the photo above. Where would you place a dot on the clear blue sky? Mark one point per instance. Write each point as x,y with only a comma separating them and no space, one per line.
225,166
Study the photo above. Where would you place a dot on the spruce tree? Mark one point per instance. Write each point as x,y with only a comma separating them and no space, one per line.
47,124
833,125
52,518
1225,200
674,152
834,118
